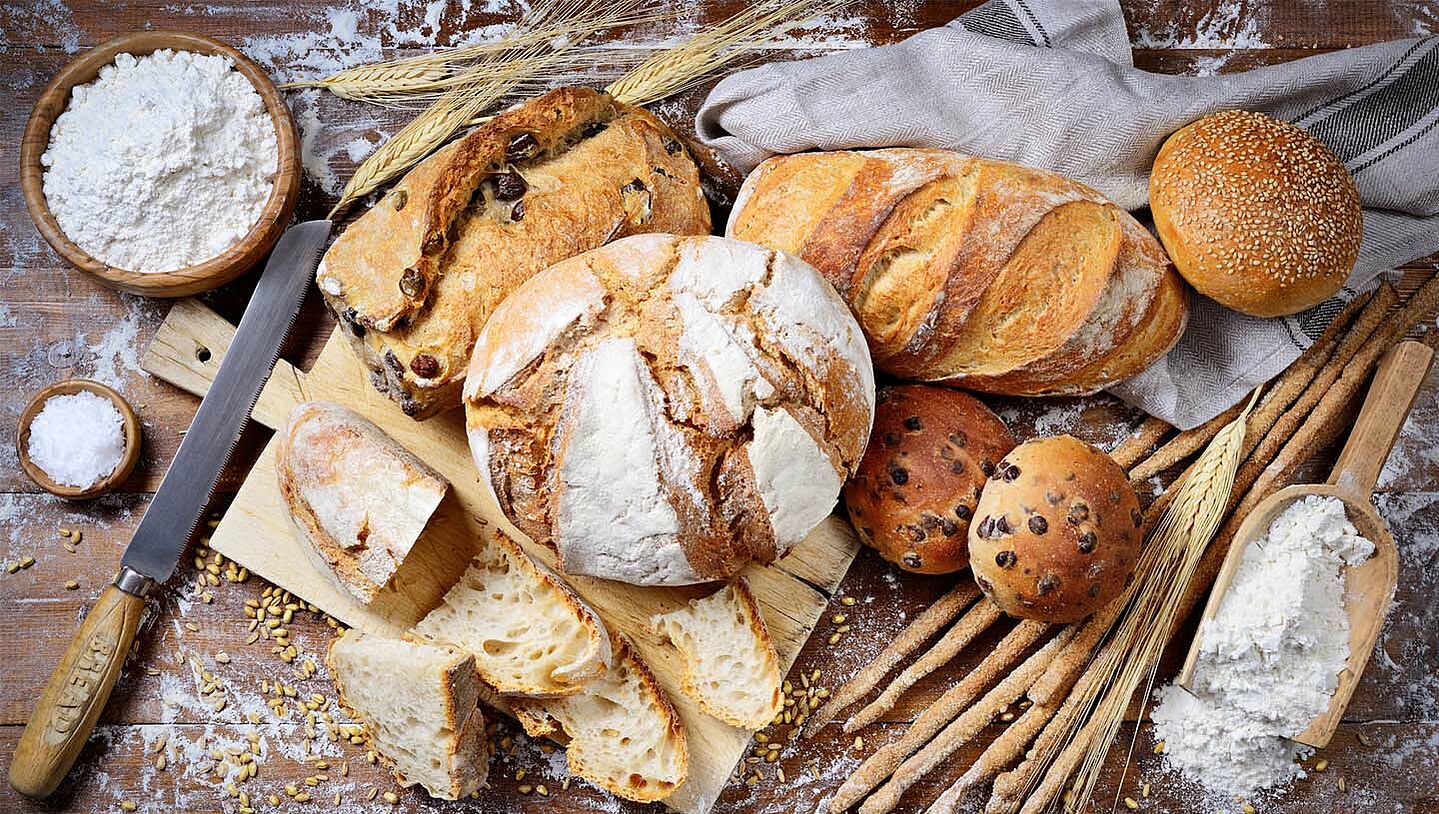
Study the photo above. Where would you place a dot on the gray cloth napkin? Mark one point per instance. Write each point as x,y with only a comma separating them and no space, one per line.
1052,83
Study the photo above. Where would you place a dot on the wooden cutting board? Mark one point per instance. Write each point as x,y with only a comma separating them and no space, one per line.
256,532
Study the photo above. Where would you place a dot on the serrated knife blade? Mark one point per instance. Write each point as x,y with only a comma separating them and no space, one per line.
76,692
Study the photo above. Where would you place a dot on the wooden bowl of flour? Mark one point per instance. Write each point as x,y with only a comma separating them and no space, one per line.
234,261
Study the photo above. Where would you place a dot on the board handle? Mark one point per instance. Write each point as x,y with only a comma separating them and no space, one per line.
1391,395
76,692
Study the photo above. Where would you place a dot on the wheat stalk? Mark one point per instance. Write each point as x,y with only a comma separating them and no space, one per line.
670,72
1141,631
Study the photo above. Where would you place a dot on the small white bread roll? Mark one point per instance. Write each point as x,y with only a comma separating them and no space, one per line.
1256,213
665,410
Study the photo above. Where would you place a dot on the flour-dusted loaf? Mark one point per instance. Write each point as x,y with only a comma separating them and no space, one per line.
665,410
914,494
413,279
420,705
731,667
529,634
985,274
359,498
624,735
1056,534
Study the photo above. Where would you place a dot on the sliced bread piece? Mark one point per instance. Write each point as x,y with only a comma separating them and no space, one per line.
420,704
731,667
359,498
529,634
624,736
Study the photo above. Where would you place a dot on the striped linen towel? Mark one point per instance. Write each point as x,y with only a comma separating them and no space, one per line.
1052,83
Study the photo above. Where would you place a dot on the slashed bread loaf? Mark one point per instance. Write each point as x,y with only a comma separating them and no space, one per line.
985,274
665,410
624,736
528,633
415,277
359,498
731,667
420,705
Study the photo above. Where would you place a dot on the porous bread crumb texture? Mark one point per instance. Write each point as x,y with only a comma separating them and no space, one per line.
1256,212
731,668
665,410
624,736
420,705
528,634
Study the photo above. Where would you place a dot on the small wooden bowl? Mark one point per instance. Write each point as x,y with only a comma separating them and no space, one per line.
214,272
99,487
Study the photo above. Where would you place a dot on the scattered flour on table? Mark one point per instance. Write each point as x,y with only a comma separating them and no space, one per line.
1270,658
42,21
1228,25
164,161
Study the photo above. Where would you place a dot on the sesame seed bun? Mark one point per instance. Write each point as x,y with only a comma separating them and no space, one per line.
1255,212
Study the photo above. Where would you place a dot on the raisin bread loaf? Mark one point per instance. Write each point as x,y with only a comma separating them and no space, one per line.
413,279
359,498
420,705
984,274
665,410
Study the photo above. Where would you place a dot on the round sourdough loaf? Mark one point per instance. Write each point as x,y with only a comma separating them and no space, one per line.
983,274
919,481
1257,213
1056,534
664,410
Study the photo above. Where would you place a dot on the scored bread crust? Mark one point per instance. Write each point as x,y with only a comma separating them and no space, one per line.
952,263
415,277
468,755
757,656
653,721
666,410
342,476
511,637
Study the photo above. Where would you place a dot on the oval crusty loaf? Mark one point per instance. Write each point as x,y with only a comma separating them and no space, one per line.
1056,534
420,706
985,274
624,735
359,498
414,278
731,667
529,634
916,488
665,410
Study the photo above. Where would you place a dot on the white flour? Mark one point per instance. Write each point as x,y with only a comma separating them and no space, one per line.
162,162
1270,658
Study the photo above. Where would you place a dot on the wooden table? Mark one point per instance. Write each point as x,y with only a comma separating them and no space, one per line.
56,323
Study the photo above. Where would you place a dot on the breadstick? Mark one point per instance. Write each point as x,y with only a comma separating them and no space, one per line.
925,625
1278,396
974,622
1139,442
963,728
998,756
882,763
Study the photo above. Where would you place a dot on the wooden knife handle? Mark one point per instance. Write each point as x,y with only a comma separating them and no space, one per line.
77,691
1391,395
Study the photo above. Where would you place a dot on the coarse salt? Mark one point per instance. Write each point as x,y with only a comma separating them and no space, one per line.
164,161
1270,659
77,439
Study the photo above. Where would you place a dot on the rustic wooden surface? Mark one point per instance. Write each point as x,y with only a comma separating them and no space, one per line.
56,322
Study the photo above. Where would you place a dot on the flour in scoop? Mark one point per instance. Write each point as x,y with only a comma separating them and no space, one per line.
1270,659
163,162
77,439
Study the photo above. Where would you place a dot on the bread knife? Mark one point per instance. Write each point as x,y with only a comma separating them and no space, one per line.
76,692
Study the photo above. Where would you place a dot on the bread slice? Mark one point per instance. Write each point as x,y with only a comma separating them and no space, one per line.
420,704
359,498
529,634
624,736
731,667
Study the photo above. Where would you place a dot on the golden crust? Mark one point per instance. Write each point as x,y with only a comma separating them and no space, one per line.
587,171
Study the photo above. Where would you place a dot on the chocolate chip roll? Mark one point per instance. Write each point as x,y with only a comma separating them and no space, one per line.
1056,533
915,491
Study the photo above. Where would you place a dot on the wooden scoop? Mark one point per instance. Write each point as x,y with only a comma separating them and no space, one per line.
1369,585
